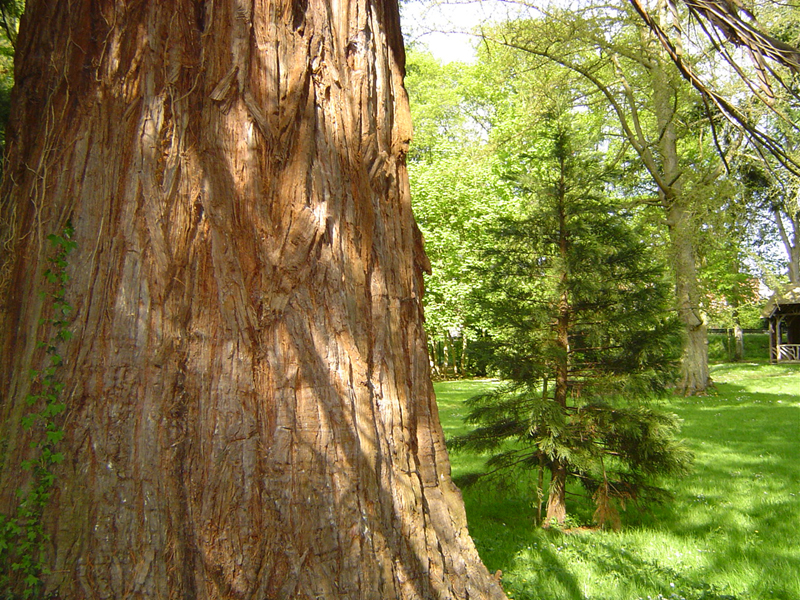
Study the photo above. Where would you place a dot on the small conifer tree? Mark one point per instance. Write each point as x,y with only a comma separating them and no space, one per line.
583,334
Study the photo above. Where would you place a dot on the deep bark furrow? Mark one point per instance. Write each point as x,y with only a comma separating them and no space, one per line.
251,414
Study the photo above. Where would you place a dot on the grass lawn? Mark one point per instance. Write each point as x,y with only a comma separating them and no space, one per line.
731,533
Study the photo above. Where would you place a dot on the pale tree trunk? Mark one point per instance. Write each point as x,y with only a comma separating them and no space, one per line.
791,241
694,361
738,333
738,349
465,366
250,412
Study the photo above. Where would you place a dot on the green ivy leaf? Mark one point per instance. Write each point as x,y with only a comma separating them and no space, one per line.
55,409
55,436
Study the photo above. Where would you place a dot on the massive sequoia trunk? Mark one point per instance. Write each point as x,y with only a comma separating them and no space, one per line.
249,408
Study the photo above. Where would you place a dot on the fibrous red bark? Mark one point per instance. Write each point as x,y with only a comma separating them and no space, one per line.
250,413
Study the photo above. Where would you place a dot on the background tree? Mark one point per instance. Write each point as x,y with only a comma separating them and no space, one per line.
729,255
657,118
775,192
581,334
457,195
10,12
249,410
699,122
769,187
733,30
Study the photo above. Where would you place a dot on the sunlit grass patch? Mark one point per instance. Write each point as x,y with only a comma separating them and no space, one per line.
450,397
730,533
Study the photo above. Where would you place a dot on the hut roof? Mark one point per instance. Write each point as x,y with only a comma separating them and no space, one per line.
787,296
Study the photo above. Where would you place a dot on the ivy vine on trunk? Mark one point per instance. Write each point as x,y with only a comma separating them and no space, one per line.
22,536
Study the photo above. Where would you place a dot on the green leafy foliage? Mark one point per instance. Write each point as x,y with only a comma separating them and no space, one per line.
457,195
22,537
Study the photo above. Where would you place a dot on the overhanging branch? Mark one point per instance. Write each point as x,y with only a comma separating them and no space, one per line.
742,34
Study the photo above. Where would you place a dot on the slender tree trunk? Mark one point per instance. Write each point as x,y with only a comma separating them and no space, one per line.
450,354
791,242
557,495
464,362
557,499
794,253
738,333
250,412
433,358
738,347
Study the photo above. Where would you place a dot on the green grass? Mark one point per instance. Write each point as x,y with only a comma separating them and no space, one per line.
731,531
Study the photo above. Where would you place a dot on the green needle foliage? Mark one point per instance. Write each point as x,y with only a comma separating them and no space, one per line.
583,333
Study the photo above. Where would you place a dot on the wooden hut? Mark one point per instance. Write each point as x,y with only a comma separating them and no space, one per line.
783,315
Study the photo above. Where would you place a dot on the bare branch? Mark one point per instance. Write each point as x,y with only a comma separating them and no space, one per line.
761,44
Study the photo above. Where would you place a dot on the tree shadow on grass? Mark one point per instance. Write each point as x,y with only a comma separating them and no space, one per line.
745,494
553,565
737,513
503,525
